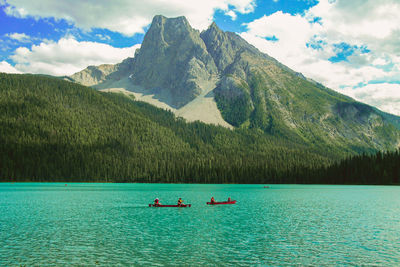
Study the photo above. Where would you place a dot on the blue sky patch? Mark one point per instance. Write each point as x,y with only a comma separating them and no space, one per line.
344,50
316,20
315,43
272,38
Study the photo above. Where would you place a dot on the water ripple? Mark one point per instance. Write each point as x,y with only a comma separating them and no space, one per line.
109,224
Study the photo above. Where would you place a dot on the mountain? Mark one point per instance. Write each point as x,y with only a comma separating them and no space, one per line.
173,60
94,75
217,77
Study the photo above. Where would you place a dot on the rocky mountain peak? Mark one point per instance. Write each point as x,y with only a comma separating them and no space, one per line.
224,47
168,29
173,61
159,20
214,29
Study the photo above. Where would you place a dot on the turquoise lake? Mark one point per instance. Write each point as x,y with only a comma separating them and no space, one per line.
111,224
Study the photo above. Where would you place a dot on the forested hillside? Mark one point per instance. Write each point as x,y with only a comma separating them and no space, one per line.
379,168
54,130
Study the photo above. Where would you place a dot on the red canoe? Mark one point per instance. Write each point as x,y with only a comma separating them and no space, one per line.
222,203
171,206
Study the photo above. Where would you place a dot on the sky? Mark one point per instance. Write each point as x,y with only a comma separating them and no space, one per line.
352,46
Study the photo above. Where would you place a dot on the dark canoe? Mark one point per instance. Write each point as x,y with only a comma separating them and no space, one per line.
222,203
171,206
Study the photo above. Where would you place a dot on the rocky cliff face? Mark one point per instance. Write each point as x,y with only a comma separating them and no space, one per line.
93,75
173,60
252,90
97,75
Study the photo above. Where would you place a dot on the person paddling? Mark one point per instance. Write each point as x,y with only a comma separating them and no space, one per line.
157,202
180,202
229,199
212,200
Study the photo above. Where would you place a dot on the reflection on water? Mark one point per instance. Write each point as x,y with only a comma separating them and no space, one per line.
108,224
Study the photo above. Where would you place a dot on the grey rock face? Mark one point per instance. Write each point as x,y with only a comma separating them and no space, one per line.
96,75
93,75
225,47
173,60
219,46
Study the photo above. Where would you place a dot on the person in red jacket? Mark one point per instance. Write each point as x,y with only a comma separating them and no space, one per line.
212,200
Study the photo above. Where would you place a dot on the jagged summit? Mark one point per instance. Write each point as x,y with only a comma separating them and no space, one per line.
219,46
213,28
173,61
159,20
166,30
217,77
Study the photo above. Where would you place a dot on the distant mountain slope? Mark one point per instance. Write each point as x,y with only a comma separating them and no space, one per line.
176,64
94,75
55,130
256,91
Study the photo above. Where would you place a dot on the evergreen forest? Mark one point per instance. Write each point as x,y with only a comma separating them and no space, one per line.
57,131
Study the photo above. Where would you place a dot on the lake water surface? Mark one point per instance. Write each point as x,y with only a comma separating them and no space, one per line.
111,224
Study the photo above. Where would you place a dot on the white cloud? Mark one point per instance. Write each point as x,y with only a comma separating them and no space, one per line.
20,37
126,16
359,19
292,32
241,6
380,95
67,56
103,37
7,68
306,46
231,14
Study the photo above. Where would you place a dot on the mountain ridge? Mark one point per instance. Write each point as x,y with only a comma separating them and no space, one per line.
252,89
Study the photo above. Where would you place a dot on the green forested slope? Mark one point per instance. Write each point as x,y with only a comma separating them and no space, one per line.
284,104
54,130
379,168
